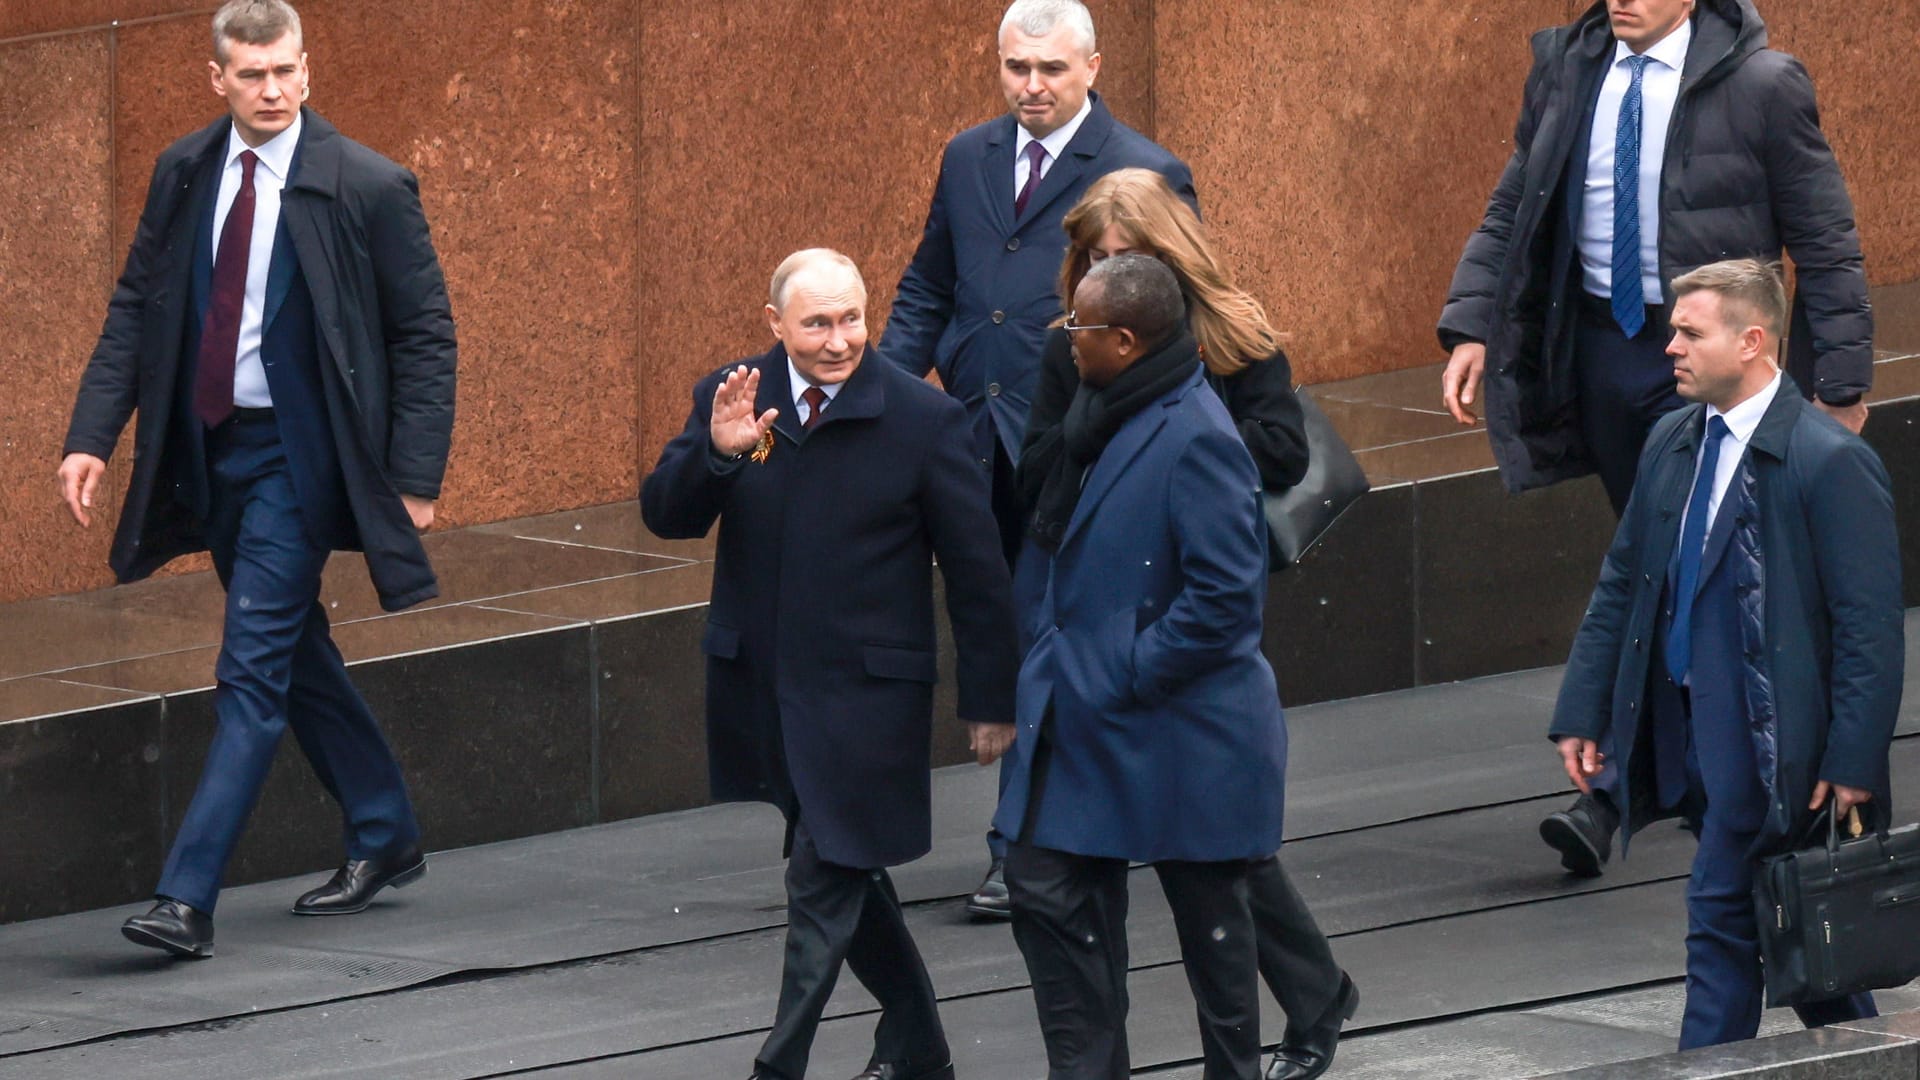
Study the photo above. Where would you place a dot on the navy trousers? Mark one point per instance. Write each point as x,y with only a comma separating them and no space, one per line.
1626,383
278,668
1723,805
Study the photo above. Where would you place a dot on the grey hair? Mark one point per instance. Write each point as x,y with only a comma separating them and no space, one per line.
1754,287
1141,294
801,260
1038,18
253,22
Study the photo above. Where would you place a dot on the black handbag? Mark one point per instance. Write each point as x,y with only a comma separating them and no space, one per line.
1840,917
1302,514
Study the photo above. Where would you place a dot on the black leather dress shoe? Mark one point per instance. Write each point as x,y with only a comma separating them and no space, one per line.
354,884
892,1071
991,900
1582,834
172,926
1305,1056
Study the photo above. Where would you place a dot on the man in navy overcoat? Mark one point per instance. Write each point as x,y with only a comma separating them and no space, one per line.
837,479
282,328
1149,725
983,286
1740,663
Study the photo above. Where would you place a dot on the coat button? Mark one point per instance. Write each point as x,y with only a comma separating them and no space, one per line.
993,389
1013,244
999,317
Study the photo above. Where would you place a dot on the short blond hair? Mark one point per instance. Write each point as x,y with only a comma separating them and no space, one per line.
801,260
1755,287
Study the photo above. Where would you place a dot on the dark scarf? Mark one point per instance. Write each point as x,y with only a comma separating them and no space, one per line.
1057,465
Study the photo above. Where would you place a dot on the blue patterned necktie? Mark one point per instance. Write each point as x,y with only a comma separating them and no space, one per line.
1693,543
1629,297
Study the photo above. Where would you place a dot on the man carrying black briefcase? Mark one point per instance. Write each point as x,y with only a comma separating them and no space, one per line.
1741,657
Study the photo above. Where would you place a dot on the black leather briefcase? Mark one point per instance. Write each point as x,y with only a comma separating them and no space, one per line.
1840,917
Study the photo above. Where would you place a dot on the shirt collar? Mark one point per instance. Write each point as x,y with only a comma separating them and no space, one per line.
1743,419
276,153
1670,50
1056,143
800,383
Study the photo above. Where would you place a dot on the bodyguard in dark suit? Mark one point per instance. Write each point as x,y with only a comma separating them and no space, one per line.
1740,662
1150,728
1655,136
837,479
282,329
976,301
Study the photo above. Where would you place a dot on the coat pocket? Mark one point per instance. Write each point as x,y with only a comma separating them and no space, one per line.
897,662
720,641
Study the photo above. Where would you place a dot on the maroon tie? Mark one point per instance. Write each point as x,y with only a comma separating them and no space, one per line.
1035,155
220,334
816,400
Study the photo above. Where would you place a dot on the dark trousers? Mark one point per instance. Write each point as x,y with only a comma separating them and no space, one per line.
1070,921
1295,960
1723,803
835,914
1625,384
278,668
1011,516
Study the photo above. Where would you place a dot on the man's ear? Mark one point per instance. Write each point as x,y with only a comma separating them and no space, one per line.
1128,341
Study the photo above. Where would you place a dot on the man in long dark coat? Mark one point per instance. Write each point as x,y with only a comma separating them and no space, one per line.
837,478
1741,660
282,328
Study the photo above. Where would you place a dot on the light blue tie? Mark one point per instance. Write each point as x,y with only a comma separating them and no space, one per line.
1693,543
1629,298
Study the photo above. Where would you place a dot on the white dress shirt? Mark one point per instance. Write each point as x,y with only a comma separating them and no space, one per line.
800,383
1742,420
1659,89
1055,145
269,176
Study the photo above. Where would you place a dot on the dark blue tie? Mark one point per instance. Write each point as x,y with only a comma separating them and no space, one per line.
1629,298
1693,543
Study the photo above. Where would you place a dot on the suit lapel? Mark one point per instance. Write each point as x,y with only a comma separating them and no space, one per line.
996,175
1721,531
279,274
1074,161
306,211
776,392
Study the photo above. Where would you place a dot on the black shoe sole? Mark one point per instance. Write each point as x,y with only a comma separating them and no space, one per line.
1577,853
400,881
141,936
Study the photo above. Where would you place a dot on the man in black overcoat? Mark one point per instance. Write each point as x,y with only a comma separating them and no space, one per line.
282,329
837,479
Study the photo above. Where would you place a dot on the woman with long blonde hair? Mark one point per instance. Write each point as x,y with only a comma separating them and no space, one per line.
1133,211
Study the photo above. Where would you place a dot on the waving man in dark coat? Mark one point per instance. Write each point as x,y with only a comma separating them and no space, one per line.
282,328
837,478
1741,659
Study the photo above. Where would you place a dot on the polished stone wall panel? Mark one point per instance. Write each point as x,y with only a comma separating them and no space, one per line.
1343,154
1860,55
773,125
80,807
22,17
55,142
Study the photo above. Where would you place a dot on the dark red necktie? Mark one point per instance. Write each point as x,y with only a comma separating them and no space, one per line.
1035,155
220,334
816,400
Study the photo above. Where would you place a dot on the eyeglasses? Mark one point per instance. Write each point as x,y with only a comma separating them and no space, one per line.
1070,328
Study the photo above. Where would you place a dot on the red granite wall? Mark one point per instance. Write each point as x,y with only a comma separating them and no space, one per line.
610,182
